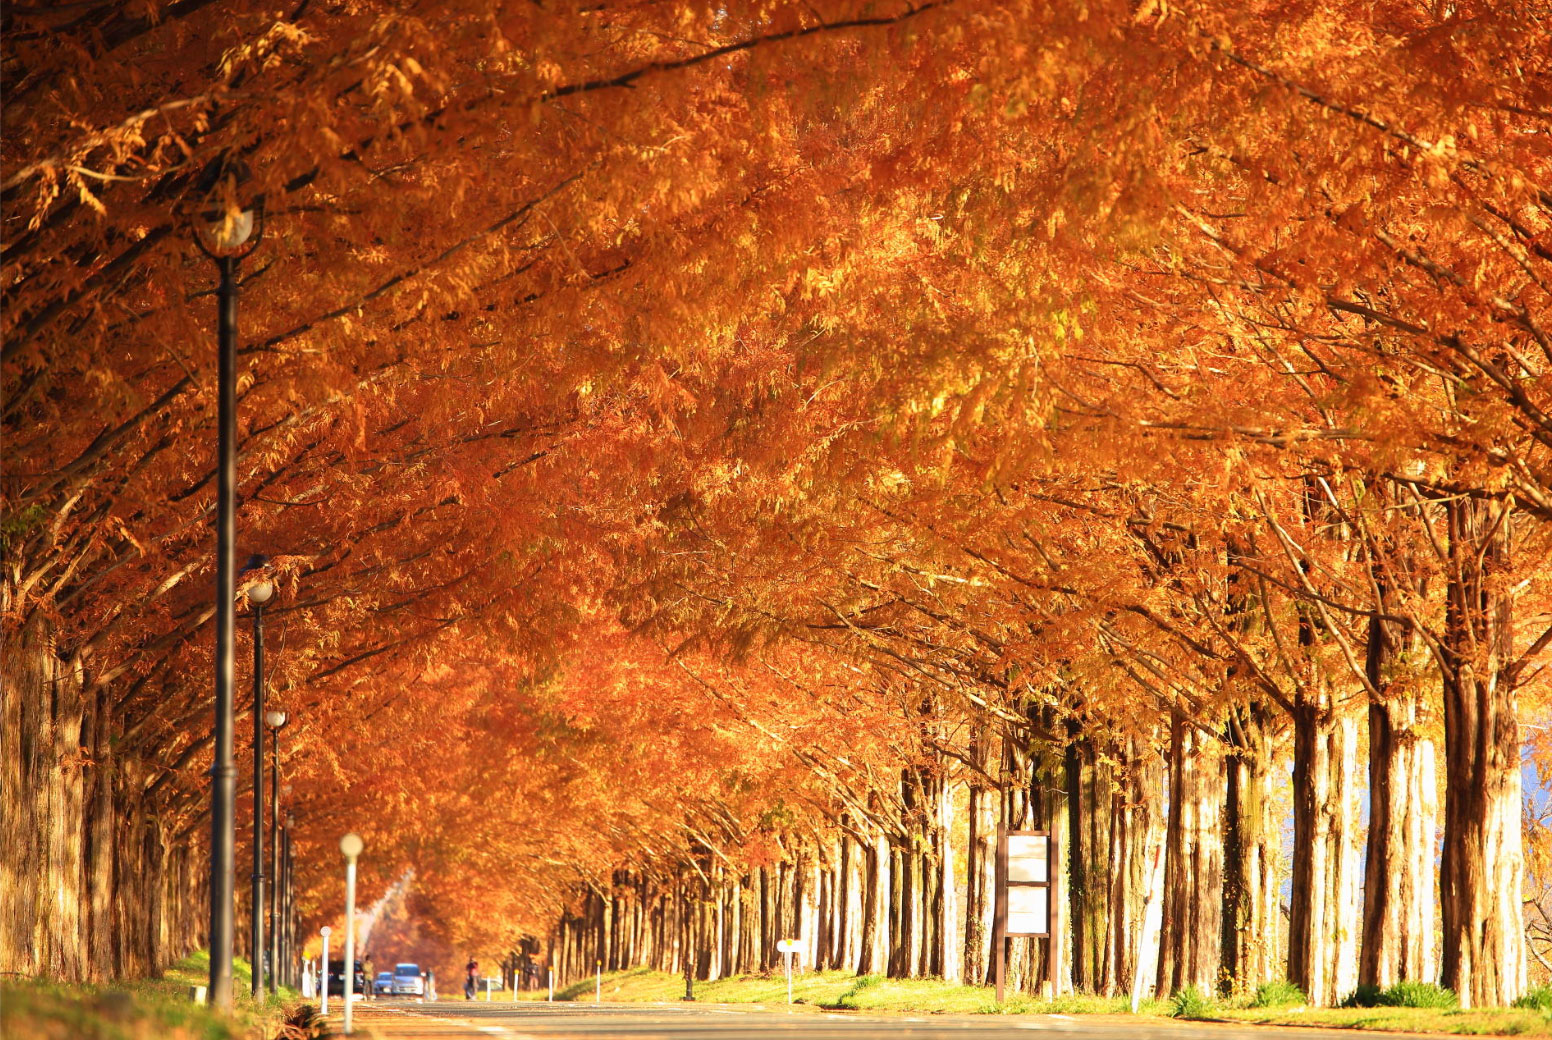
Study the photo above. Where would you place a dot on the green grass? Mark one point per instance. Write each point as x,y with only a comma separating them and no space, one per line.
836,990
145,1009
1190,1003
1279,993
1539,998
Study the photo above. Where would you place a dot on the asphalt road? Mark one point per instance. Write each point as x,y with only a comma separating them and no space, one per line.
446,1020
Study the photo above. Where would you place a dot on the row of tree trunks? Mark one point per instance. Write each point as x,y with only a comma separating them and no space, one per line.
93,884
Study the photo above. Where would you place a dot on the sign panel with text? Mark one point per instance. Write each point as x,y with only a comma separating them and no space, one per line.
1027,879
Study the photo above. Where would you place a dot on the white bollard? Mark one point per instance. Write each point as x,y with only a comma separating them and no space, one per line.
487,989
552,983
598,992
324,931
351,845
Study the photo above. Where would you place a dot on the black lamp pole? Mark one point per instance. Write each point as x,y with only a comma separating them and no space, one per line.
223,772
276,721
226,236
288,953
258,594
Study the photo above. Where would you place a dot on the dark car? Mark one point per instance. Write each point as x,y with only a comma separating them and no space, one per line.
337,979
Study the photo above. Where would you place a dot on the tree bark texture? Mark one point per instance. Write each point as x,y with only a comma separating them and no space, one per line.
1481,870
1190,942
94,884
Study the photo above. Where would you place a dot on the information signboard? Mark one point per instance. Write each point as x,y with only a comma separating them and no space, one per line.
1027,877
1023,892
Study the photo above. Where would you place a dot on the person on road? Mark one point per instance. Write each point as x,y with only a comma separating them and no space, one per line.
370,971
470,970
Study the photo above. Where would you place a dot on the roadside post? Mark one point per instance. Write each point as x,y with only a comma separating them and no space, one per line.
351,845
598,986
1023,896
324,968
552,983
787,947
487,989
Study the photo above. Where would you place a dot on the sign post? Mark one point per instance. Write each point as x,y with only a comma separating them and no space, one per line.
787,947
1023,907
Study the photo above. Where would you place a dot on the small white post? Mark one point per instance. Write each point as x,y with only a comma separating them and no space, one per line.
598,991
324,931
351,845
487,989
787,947
552,983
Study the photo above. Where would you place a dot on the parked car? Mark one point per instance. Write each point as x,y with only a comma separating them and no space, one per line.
337,979
383,984
408,981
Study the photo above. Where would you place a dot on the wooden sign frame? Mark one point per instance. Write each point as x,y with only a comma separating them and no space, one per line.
1000,931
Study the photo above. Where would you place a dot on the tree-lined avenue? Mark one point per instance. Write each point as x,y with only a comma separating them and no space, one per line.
721,461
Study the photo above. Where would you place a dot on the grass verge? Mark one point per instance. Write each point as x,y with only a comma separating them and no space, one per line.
844,991
835,990
144,1009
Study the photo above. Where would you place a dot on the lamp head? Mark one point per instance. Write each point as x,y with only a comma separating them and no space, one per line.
325,931
229,219
351,845
262,588
274,719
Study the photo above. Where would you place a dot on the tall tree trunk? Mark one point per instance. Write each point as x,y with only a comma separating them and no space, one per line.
1398,910
1322,920
1190,942
1251,851
1482,863
1077,890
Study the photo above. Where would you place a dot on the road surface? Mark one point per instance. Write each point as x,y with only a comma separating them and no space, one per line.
466,1020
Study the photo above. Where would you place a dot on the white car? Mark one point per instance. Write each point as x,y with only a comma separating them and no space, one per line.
408,981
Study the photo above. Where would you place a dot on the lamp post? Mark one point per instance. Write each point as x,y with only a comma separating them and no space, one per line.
351,845
276,721
259,593
324,931
226,232
287,952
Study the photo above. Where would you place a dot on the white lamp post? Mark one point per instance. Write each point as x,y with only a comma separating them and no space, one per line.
351,845
324,931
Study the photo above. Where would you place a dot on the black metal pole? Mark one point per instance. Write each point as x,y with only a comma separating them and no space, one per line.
257,944
274,842
223,773
288,952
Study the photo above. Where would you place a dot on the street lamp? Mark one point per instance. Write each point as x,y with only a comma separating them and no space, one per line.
324,960
226,231
287,954
276,721
351,845
259,593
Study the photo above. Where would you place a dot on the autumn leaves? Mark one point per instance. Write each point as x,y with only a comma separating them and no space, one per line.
748,425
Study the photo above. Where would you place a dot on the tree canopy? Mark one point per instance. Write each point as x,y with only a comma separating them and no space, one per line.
671,421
